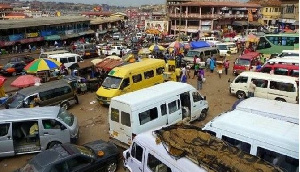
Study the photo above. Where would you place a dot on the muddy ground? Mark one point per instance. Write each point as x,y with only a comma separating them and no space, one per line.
93,119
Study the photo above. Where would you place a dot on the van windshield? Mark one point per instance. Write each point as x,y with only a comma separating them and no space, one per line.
15,101
222,47
65,116
192,54
231,45
242,62
111,82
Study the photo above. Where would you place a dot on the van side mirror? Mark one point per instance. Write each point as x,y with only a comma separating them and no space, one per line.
62,127
127,155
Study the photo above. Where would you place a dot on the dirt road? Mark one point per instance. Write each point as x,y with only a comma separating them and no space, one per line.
93,119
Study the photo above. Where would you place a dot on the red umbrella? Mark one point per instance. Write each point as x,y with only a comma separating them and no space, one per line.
25,81
2,79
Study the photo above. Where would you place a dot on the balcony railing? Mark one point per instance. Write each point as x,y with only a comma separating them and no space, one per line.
207,16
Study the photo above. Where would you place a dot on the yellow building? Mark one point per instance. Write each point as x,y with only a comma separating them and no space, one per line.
270,15
290,11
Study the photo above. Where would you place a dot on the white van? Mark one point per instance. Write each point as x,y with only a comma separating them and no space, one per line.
274,87
47,54
291,60
226,48
146,109
67,58
146,155
35,129
270,108
273,140
203,53
251,31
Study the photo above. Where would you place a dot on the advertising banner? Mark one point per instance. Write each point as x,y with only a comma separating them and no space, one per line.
162,26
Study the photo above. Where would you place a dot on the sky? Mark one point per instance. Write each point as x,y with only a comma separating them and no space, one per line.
115,2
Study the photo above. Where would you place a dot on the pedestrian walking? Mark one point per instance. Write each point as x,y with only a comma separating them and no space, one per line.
29,47
226,66
212,65
251,89
200,77
183,77
207,63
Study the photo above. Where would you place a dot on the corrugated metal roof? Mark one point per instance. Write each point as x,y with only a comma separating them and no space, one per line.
100,20
43,21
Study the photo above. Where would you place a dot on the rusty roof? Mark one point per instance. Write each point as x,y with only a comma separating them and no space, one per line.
4,6
220,4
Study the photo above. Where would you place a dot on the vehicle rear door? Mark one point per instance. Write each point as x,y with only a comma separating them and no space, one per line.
120,123
6,140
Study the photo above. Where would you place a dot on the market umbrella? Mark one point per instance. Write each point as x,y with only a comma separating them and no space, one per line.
96,61
42,64
113,57
2,80
156,47
25,81
144,51
176,44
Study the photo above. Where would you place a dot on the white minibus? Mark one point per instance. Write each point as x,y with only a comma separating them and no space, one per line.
271,108
67,58
269,86
273,140
146,109
278,60
146,155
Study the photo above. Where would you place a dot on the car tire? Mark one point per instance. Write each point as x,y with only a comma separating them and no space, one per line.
53,144
203,115
111,166
65,105
280,99
240,94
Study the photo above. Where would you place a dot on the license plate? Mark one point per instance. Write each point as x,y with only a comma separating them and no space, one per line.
115,133
87,54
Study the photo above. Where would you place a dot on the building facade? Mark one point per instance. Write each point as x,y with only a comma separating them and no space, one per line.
192,17
289,12
270,15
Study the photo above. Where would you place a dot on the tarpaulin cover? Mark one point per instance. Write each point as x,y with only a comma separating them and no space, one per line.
109,64
199,44
208,151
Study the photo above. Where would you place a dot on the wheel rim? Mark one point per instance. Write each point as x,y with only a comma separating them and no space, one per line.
203,115
240,95
112,167
65,106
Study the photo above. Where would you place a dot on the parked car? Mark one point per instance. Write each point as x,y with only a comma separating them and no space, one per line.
25,59
94,156
13,68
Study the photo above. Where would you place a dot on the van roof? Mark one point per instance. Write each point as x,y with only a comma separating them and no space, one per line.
43,87
260,75
183,164
257,127
132,67
56,52
7,115
271,108
284,60
291,51
144,96
62,55
249,55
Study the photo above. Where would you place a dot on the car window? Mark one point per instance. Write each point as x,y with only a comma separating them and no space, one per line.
173,107
156,165
241,79
137,152
64,60
196,97
262,83
125,119
148,115
4,129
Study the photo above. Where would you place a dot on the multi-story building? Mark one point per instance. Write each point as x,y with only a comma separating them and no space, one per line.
290,12
270,12
4,10
192,17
